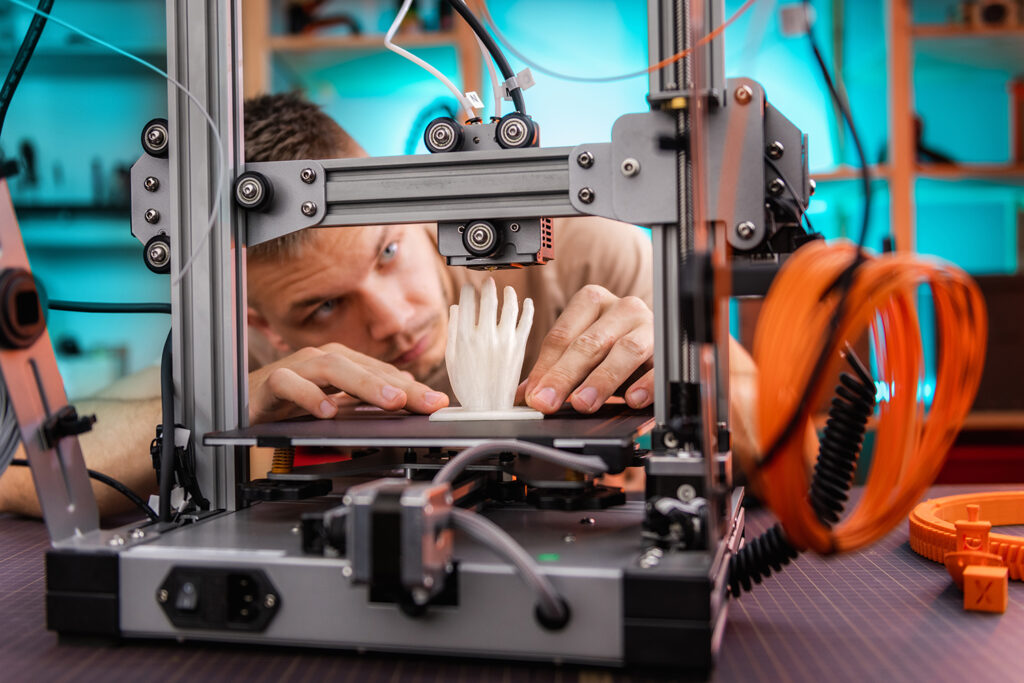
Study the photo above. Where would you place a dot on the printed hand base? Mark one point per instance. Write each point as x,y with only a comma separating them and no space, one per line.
485,358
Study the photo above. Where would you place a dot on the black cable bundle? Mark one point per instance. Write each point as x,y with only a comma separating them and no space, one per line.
492,47
838,451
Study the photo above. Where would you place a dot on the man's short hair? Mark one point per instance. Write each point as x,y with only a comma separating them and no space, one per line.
288,127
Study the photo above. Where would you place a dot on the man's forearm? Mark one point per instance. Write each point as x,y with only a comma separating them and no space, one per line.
118,446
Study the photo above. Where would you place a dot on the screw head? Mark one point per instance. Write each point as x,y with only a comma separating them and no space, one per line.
514,227
138,533
569,538
152,216
151,184
116,540
776,186
586,195
346,571
270,601
744,94
630,167
670,440
585,159
420,595
248,189
308,208
158,254
745,230
686,493
307,175
775,150
156,137
162,595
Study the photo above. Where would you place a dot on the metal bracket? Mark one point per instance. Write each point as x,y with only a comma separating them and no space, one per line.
35,389
631,179
151,191
300,199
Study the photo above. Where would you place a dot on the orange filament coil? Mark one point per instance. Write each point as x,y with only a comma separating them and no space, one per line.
910,445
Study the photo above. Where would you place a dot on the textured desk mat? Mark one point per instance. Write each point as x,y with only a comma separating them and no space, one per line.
882,614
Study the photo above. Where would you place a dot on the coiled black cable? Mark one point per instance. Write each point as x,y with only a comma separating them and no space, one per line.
112,483
852,406
840,447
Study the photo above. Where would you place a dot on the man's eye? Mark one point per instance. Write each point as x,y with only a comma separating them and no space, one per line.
325,309
389,252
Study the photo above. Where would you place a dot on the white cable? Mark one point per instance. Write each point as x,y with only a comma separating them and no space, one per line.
209,120
495,85
463,100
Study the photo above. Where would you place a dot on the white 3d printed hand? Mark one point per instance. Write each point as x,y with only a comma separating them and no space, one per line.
485,358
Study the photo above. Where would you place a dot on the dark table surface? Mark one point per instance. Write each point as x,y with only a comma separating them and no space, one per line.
881,614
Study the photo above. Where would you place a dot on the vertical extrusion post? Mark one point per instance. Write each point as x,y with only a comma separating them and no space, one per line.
210,372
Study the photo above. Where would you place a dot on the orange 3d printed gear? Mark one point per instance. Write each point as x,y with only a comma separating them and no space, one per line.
797,321
933,526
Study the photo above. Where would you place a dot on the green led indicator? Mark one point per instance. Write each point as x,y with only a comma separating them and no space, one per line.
548,557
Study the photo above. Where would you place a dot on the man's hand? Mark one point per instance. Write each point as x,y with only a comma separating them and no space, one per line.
596,345
319,380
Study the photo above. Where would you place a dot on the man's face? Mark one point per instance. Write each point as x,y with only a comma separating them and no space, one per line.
376,290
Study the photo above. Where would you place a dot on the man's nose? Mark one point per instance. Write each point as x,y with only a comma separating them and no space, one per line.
387,311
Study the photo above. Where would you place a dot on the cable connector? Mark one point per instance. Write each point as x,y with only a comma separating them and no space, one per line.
65,422
522,80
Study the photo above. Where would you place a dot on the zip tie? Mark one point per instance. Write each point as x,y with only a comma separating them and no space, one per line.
522,80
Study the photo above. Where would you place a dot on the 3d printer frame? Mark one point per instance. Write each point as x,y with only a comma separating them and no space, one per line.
692,169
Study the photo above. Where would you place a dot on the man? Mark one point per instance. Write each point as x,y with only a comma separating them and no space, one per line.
342,314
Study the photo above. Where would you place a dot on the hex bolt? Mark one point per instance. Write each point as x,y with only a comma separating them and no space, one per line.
670,440
270,601
630,167
586,195
585,159
775,150
308,208
308,176
162,595
745,230
744,94
776,186
514,227
152,216
151,184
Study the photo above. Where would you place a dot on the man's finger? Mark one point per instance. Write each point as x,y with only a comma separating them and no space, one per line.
583,310
627,354
591,349
287,388
641,393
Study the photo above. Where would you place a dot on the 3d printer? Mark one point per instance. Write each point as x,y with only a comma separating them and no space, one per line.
481,546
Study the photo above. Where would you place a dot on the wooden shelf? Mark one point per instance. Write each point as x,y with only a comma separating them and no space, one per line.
1010,174
845,173
959,31
981,48
302,43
